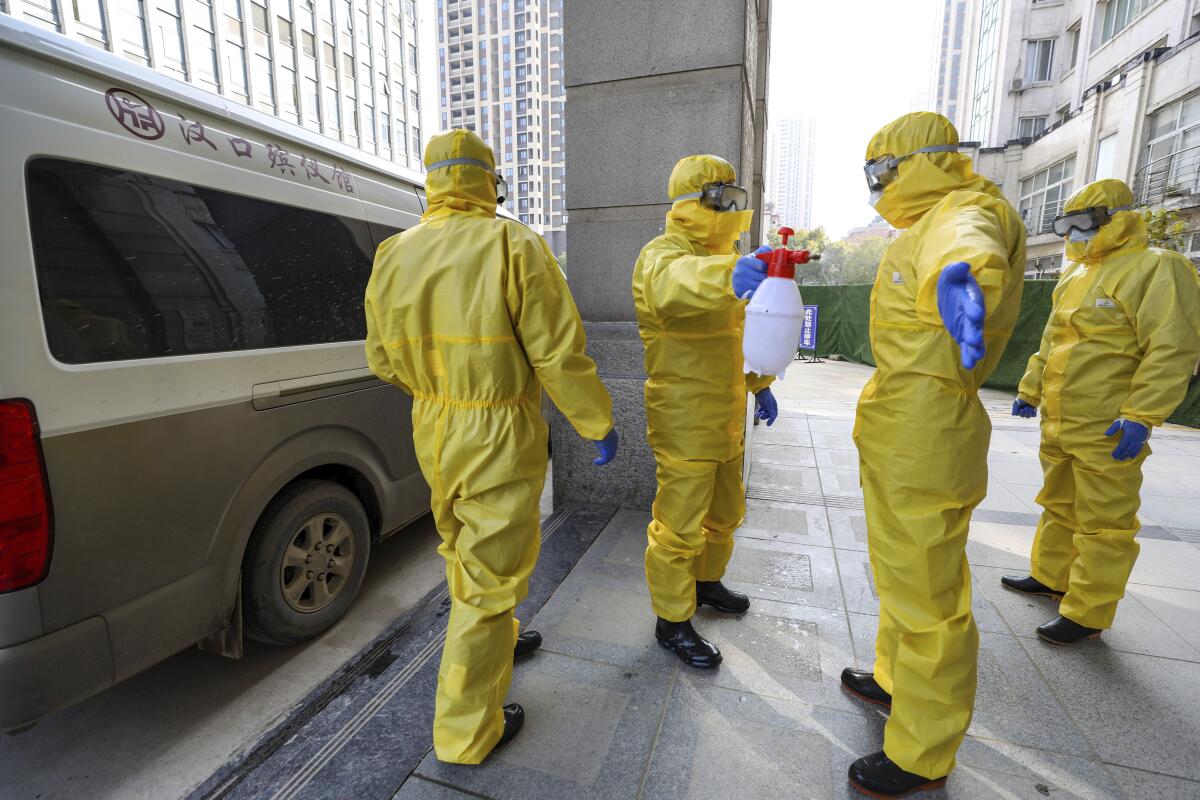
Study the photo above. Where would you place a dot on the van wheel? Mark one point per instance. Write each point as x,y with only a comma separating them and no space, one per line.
305,563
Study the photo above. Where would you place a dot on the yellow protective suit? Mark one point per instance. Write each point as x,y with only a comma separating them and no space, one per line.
923,435
472,316
1121,342
691,325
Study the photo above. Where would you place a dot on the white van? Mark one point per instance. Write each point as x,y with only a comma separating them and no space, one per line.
190,442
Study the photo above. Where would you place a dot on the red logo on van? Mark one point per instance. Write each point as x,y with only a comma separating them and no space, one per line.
135,114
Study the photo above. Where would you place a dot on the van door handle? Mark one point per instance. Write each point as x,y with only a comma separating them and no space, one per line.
331,380
311,387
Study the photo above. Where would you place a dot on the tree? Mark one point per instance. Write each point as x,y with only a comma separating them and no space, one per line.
814,240
562,261
843,262
829,269
862,261
1164,227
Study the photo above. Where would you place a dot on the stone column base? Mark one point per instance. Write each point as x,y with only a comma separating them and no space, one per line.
628,479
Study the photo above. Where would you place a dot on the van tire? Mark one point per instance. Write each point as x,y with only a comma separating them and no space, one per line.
300,516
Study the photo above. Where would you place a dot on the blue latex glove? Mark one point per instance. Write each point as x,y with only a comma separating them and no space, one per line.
1023,409
1133,437
748,273
765,406
607,448
960,302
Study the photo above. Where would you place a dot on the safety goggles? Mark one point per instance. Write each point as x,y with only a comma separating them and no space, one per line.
1085,220
720,197
501,184
883,170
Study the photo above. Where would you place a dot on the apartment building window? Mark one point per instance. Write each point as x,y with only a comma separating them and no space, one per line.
1073,43
1039,60
985,70
312,103
1106,158
412,57
1173,151
1043,193
1117,16
258,18
284,28
1030,126
416,140
264,86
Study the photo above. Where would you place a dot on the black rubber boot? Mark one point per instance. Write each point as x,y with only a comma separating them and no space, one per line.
878,776
527,642
720,597
1061,630
514,719
1029,585
692,648
862,685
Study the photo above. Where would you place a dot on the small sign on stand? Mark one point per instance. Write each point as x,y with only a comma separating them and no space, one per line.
808,335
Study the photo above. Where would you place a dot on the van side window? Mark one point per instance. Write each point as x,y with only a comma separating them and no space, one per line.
136,266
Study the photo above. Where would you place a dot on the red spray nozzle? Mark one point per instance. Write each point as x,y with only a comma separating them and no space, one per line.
781,262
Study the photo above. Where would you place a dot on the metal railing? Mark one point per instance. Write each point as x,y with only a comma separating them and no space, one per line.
1172,177
1040,219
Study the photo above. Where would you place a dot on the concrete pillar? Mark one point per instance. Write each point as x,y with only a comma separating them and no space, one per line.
1135,91
1091,114
647,83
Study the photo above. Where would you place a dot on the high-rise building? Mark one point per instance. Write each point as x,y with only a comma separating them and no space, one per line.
945,94
1055,95
791,152
501,76
347,69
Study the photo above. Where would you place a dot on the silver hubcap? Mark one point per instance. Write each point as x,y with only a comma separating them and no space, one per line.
316,565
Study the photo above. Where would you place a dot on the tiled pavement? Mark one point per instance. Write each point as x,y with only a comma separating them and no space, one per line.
610,714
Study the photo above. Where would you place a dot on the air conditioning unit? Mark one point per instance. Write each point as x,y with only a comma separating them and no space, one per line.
1017,85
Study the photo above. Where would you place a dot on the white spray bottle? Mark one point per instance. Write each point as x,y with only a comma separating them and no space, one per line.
775,313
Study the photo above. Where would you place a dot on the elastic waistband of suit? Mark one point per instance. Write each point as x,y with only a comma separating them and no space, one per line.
456,402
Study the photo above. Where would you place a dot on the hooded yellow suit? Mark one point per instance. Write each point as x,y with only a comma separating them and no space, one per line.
691,325
1121,342
471,315
923,435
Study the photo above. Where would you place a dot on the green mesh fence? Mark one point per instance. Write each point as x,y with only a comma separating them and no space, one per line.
844,331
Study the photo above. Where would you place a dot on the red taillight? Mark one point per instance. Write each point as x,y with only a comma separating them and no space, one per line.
25,519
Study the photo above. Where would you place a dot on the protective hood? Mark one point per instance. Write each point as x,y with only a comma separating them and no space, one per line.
716,231
1125,231
462,187
923,180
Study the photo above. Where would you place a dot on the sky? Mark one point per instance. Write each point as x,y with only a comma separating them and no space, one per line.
854,66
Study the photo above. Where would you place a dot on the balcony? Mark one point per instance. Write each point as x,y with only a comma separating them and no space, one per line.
1040,219
1172,180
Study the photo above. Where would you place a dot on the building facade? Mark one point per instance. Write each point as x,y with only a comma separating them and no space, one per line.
877,229
946,90
500,66
1060,93
345,68
791,151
